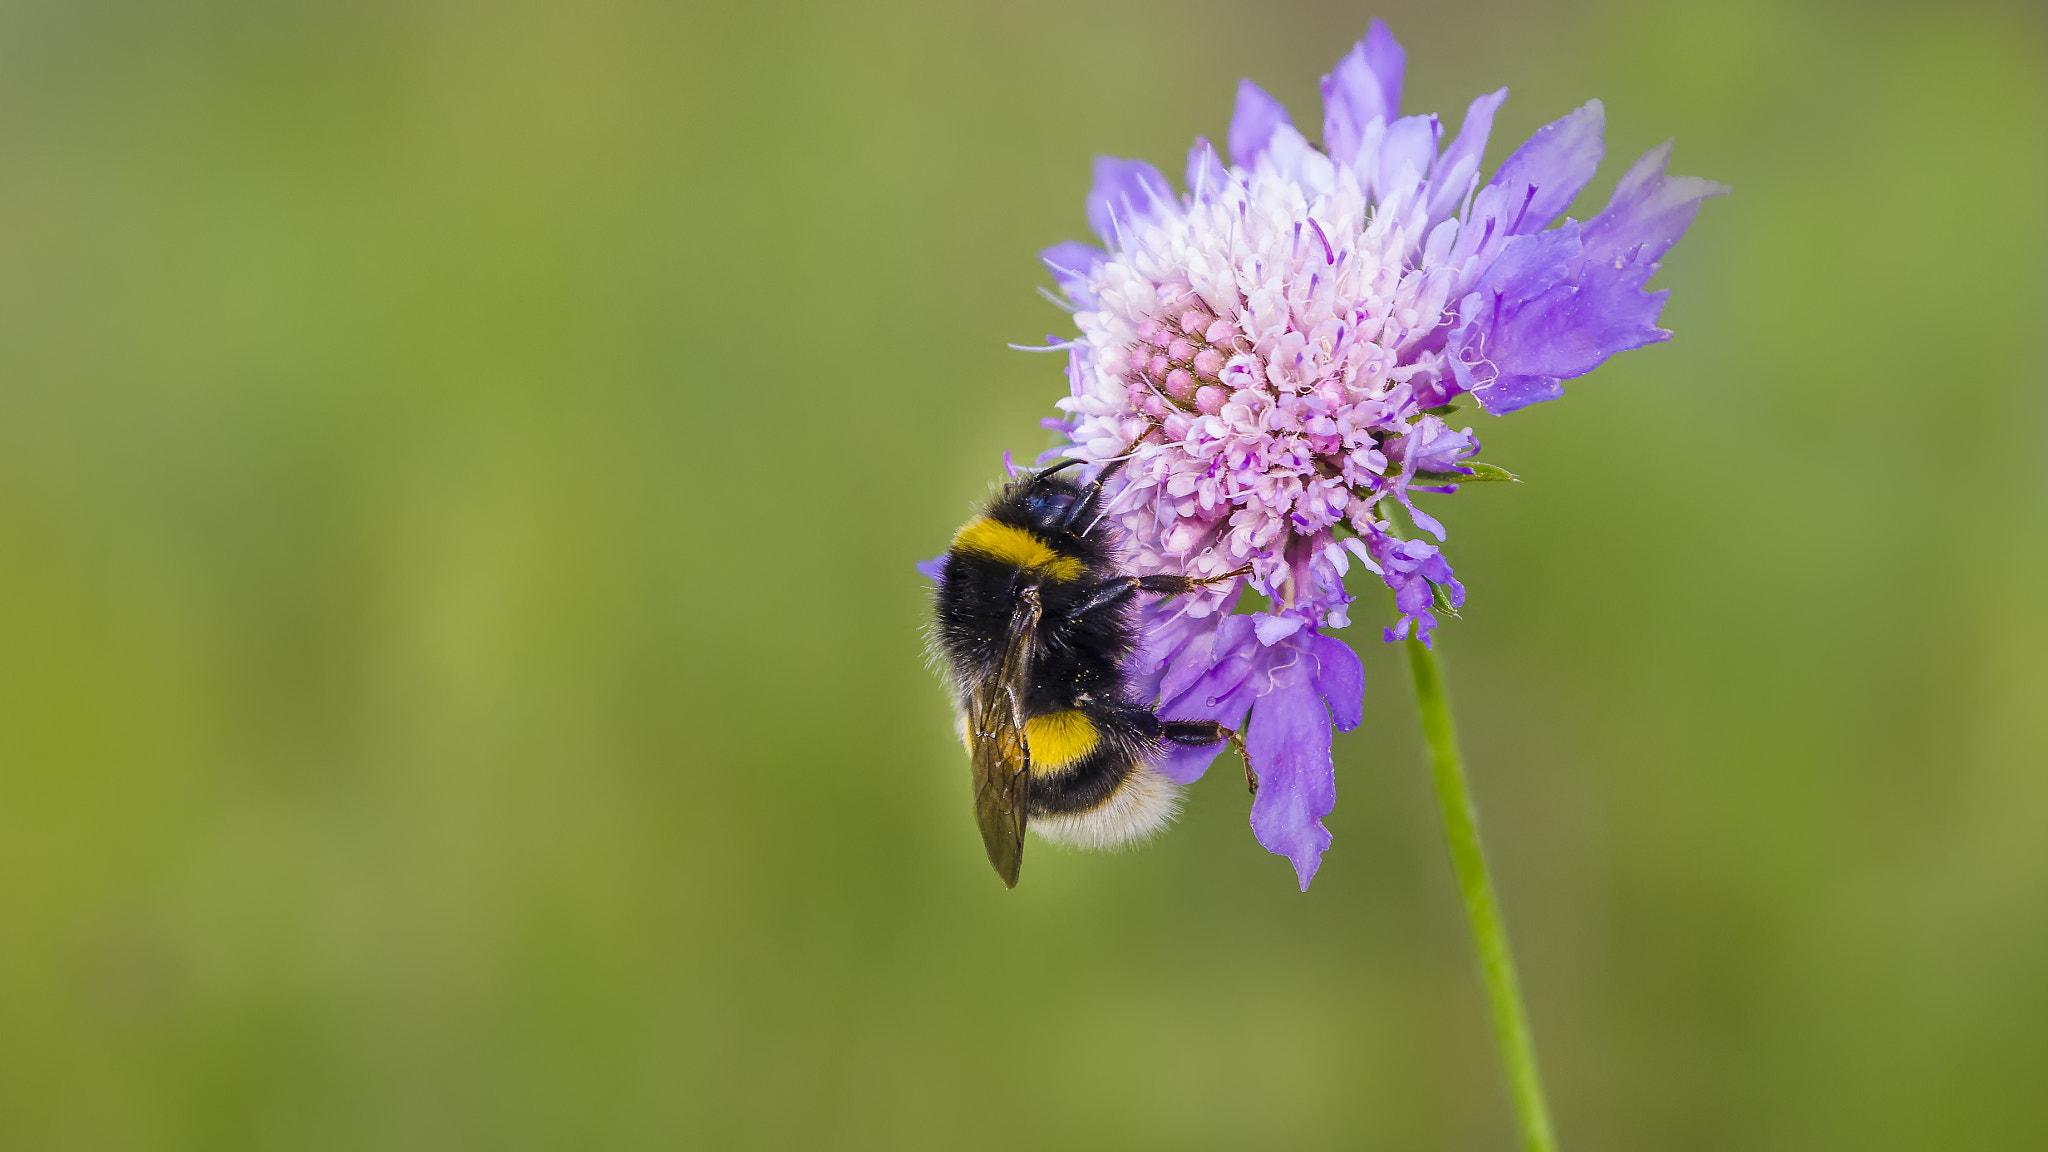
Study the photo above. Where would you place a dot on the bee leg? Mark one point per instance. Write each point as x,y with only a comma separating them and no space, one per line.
1251,778
1202,733
1091,496
1194,733
1116,590
1171,585
1107,594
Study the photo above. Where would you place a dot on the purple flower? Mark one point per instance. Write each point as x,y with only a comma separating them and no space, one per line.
1272,350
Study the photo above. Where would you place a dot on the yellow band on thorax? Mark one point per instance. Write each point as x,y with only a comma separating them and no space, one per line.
1059,739
1013,545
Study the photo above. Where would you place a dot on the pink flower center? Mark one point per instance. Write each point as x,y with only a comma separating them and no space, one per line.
1177,362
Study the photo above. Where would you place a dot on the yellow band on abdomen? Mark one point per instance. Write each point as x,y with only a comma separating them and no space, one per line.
1013,545
1059,739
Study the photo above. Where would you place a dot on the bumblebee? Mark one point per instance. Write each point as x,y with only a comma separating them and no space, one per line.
1033,623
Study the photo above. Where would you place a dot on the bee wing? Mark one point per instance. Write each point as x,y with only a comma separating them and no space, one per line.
1002,773
1002,757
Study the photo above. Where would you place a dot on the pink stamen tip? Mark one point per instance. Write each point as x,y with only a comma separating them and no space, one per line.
1210,399
1208,362
1180,351
1180,383
1194,321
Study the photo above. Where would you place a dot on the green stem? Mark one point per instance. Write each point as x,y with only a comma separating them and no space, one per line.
1489,931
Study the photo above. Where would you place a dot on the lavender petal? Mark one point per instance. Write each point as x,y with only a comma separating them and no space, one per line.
1185,765
1253,123
1650,210
1340,680
1125,190
1289,746
1408,153
1568,330
1167,640
1074,266
1363,87
1212,682
1462,160
1547,171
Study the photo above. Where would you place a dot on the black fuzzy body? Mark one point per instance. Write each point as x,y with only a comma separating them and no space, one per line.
1085,632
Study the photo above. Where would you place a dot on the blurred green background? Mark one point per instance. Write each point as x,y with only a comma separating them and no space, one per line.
460,672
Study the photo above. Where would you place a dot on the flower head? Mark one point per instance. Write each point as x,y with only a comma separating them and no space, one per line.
1273,352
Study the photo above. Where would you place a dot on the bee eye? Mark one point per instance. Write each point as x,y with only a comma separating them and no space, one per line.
1050,505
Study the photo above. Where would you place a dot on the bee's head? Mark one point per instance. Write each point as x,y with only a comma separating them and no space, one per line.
1055,501
1047,495
1048,502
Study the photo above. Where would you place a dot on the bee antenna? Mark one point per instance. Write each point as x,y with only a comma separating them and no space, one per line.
1062,466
